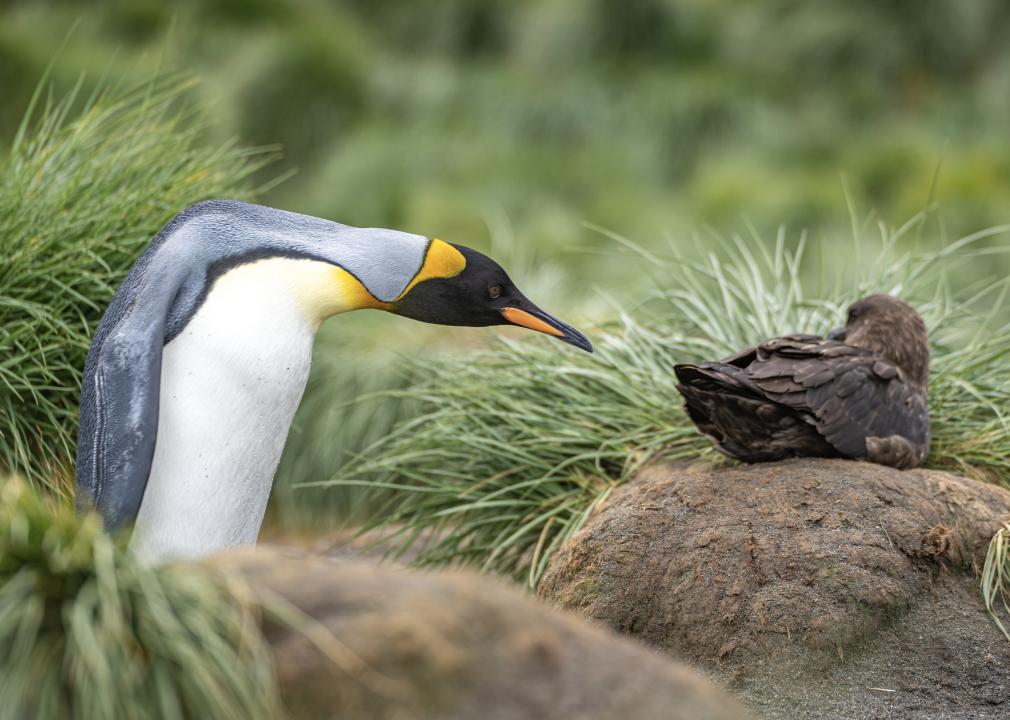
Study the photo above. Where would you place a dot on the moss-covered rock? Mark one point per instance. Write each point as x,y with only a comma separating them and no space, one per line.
392,643
781,575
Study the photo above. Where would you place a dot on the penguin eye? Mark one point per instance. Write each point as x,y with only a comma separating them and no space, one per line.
494,291
853,314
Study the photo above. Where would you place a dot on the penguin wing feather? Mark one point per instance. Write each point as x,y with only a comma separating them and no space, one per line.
119,400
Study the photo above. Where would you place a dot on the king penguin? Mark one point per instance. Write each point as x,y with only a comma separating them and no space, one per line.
199,363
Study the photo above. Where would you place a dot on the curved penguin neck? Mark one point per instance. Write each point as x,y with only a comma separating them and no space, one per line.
231,382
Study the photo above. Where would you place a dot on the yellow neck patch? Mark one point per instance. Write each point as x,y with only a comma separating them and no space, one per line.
322,289
318,288
441,261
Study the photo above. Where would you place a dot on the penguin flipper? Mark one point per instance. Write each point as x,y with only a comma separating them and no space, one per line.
119,399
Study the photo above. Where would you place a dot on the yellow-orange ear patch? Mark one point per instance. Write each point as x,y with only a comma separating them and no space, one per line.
441,261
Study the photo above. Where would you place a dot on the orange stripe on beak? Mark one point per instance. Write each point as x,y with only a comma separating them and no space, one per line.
521,317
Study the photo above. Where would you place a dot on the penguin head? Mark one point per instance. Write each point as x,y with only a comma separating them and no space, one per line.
478,293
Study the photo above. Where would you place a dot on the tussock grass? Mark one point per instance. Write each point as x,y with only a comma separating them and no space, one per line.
996,577
514,447
85,184
87,633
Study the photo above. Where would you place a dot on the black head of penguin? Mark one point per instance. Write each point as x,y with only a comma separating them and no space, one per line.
481,294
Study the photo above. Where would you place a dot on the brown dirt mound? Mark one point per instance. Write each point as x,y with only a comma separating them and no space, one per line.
406,644
787,578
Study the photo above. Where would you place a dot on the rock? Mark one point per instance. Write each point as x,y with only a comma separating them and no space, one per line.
406,644
804,584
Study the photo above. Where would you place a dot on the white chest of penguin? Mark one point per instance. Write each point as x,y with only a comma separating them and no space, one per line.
231,382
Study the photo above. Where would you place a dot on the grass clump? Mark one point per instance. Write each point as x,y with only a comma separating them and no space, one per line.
996,576
514,447
88,633
84,185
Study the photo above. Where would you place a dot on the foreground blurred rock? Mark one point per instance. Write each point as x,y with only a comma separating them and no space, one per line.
404,644
815,588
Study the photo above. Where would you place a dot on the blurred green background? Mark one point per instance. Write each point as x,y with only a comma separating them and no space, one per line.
650,117
521,127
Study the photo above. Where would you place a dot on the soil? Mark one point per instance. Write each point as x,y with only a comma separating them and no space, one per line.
810,588
943,658
406,644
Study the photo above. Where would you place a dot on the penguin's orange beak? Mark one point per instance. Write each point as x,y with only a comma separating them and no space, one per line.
536,319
